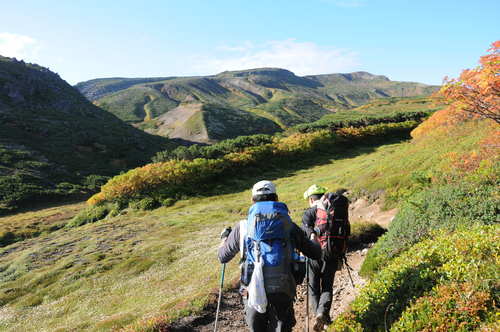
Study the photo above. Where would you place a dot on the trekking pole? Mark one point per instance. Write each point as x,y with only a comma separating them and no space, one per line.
220,296
225,233
307,294
349,270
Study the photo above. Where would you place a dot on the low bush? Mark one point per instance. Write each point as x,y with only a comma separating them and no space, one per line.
147,203
93,214
183,177
467,257
359,120
214,151
452,307
441,208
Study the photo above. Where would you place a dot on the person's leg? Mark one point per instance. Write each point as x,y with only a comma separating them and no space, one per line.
256,321
314,282
281,314
325,301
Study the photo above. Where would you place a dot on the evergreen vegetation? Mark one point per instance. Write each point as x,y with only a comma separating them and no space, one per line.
54,143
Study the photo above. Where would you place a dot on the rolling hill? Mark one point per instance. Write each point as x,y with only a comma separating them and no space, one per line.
54,142
270,98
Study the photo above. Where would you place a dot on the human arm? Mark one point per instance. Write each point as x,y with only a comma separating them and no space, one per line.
308,221
302,242
230,246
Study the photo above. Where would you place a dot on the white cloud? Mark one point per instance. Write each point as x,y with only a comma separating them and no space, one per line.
302,58
18,46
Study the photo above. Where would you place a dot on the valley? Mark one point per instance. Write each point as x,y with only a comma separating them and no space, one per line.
110,216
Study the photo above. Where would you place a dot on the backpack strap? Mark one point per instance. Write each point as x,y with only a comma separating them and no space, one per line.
243,235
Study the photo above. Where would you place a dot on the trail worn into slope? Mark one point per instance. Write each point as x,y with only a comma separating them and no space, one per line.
232,319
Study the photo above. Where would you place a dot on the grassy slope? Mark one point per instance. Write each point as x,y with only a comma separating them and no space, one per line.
52,138
272,93
153,258
112,273
387,107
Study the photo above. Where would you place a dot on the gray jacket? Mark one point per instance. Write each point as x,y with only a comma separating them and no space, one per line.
299,239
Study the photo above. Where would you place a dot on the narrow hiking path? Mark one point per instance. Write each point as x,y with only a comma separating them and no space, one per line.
232,319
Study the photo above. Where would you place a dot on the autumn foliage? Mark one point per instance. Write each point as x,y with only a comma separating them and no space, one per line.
474,95
171,179
477,91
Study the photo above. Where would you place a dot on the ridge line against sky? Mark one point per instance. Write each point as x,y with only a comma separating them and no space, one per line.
404,40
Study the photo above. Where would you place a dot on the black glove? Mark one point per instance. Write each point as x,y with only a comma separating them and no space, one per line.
225,233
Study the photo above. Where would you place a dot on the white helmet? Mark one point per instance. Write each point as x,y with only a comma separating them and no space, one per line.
263,187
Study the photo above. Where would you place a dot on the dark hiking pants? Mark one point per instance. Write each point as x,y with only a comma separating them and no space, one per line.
279,316
321,286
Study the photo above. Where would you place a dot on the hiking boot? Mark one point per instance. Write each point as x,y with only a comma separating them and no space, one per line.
319,323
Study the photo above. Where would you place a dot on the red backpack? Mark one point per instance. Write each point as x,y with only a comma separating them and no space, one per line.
332,225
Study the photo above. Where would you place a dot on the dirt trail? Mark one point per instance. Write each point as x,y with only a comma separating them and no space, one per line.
232,319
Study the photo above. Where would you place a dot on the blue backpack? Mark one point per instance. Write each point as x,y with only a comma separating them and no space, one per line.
265,235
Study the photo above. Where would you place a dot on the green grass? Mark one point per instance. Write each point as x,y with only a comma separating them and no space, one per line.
137,104
27,225
116,271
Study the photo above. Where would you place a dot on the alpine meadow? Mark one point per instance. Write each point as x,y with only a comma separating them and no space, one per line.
118,189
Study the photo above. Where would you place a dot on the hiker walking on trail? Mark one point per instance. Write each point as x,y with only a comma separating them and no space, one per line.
326,221
266,241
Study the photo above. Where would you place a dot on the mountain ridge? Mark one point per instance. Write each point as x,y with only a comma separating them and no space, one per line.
53,141
274,94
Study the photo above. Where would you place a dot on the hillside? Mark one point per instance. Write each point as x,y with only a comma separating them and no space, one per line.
53,142
141,269
274,94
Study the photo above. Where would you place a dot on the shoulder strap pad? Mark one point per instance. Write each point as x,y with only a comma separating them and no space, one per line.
243,235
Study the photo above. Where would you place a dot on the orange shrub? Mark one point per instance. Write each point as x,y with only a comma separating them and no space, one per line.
175,177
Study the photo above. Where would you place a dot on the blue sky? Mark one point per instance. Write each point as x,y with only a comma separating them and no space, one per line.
419,41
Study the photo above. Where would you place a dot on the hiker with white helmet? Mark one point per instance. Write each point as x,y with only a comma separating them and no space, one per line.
327,222
266,241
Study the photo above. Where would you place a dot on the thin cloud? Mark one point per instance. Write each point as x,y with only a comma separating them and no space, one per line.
18,46
302,58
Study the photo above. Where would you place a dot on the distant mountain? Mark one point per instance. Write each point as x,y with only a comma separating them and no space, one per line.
54,141
274,94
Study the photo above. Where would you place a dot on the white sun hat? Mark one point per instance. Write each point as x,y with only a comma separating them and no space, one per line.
263,187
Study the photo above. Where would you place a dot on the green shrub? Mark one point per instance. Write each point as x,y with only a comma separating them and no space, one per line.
94,182
92,214
187,177
359,120
444,207
168,202
147,203
451,307
214,151
468,255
